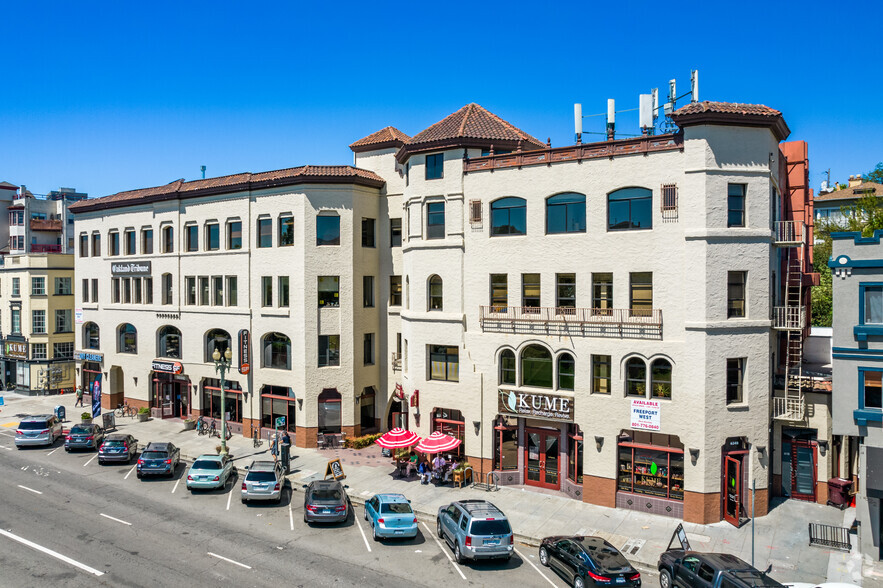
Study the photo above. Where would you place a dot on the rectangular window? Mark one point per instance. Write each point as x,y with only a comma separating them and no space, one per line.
232,294
84,245
435,220
127,290
191,237
96,244
444,363
641,293
669,197
85,295
38,286
146,241
234,235
204,299
266,291
286,231
328,230
168,239
283,291
368,349
130,242
435,166
16,288
872,304
167,288
114,239
565,292
190,290
63,350
212,237
368,232
38,351
329,291
63,322
395,232
265,232
368,291
601,374
217,291
136,290
38,321
395,290
735,294
499,292
530,290
63,286
329,350
148,289
735,205
872,389
735,376
16,320
95,289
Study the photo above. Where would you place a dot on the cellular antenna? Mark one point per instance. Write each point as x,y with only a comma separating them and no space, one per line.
694,85
202,169
611,119
578,122
645,113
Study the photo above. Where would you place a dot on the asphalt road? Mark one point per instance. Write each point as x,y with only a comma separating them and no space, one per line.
66,521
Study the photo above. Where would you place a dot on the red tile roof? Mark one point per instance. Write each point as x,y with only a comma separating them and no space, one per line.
307,174
732,113
385,137
728,108
853,192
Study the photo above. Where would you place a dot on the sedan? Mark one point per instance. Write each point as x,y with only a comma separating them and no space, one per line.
209,472
588,561
84,437
117,447
391,515
325,501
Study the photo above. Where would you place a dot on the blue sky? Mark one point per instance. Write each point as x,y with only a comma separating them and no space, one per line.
109,96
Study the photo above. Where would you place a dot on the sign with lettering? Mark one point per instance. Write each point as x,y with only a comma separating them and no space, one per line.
131,268
244,352
96,396
78,316
645,414
15,349
90,356
169,367
537,405
335,470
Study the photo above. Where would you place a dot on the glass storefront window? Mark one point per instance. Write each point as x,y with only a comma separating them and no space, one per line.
211,399
277,401
575,455
506,444
329,411
657,471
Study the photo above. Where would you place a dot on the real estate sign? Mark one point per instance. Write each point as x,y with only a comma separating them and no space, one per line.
645,414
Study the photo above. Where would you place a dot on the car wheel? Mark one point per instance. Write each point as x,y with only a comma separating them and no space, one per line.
366,514
67,450
665,579
139,475
544,556
438,529
374,532
458,555
578,582
100,462
245,501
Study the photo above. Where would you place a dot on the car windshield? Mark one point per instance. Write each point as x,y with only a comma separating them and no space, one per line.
33,425
154,455
114,443
206,464
261,477
80,429
491,527
396,507
326,494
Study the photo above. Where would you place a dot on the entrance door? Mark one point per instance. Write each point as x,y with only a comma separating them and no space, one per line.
733,501
167,397
803,470
541,459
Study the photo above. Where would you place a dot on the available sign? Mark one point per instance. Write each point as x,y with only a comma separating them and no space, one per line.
244,352
16,349
134,268
538,405
169,367
645,414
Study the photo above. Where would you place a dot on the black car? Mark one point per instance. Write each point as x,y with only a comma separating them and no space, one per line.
159,458
588,561
118,447
84,437
690,569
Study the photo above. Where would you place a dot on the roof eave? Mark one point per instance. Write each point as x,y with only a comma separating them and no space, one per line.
376,146
776,124
407,150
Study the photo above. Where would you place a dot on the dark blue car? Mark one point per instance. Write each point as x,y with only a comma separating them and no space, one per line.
159,459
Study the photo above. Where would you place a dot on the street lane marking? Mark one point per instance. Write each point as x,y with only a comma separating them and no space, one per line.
90,460
7,448
54,450
229,498
54,554
115,519
9,425
176,485
535,567
130,472
241,565
290,516
444,549
29,489
362,531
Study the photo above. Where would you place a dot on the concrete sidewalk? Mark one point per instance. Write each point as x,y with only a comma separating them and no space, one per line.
781,538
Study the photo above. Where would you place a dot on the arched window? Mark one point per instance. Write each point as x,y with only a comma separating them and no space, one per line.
435,293
509,216
329,411
630,208
127,339
635,377
660,379
507,367
217,339
91,339
276,351
566,213
566,371
536,367
169,342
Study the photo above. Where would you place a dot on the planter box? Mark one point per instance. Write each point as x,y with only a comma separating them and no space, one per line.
143,416
86,421
189,425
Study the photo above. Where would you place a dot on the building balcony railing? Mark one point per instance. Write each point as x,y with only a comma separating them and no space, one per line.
789,318
789,233
46,224
637,323
788,408
35,248
396,361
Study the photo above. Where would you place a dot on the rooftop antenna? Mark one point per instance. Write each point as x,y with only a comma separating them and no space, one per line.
694,85
611,119
578,122
202,169
645,113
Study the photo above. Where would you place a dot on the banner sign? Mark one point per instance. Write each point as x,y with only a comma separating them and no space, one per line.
89,356
538,405
16,349
170,367
645,414
335,470
135,268
244,352
96,396
78,316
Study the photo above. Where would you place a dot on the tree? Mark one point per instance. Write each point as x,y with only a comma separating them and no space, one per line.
875,175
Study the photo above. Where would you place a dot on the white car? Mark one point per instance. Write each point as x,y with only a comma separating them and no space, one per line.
822,585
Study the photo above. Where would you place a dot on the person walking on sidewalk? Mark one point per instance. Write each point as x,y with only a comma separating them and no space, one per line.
274,446
79,396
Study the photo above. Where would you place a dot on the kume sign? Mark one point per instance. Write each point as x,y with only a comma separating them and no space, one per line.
645,414
538,405
244,352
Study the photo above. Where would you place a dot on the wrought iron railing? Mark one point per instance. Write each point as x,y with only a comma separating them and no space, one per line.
589,322
789,232
789,317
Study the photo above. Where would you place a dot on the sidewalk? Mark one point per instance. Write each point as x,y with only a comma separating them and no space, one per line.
781,538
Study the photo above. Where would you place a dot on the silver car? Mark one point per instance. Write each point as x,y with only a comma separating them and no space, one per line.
264,481
43,429
475,529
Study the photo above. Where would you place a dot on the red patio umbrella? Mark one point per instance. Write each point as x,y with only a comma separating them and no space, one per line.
398,438
437,443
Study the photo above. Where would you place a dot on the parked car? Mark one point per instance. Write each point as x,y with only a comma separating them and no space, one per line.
41,429
159,459
475,529
588,561
209,472
325,501
84,437
264,481
691,569
391,515
118,447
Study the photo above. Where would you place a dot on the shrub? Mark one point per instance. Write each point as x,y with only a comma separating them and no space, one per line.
86,416
361,442
143,410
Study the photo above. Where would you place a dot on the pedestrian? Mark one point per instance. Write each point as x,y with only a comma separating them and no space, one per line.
274,446
79,396
286,438
424,470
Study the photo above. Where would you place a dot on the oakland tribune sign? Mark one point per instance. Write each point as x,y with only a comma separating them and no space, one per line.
537,405
131,268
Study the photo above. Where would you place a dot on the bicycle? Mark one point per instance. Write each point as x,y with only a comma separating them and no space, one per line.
256,437
201,428
126,410
213,430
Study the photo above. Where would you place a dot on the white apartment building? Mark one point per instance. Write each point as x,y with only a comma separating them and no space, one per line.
595,319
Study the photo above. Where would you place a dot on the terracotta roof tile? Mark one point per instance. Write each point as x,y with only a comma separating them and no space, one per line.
474,122
385,137
727,108
732,113
852,192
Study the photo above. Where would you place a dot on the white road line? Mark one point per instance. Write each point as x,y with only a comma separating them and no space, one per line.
54,554
54,450
6,448
229,498
115,519
176,485
290,516
29,489
444,550
362,531
536,568
130,472
241,565
90,460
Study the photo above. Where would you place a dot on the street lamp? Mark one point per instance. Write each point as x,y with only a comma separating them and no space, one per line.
221,366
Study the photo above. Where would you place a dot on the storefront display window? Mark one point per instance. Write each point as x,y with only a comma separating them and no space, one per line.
329,411
278,401
211,399
450,422
506,444
366,409
575,454
650,469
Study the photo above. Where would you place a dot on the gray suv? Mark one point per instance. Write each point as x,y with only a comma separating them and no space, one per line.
264,481
42,429
475,529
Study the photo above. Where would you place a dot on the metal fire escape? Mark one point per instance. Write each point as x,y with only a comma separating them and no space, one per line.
791,319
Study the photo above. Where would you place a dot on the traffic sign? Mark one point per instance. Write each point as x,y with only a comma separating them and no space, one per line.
280,422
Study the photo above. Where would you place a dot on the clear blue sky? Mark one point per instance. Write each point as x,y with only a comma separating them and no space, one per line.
109,96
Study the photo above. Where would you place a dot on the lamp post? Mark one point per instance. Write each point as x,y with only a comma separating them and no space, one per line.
221,366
